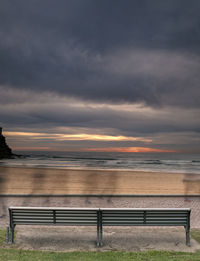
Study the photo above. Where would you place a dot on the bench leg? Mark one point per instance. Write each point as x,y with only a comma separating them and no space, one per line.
187,231
101,234
98,241
12,234
187,236
99,229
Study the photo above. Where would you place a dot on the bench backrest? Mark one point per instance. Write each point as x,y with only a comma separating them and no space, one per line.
145,216
53,216
98,216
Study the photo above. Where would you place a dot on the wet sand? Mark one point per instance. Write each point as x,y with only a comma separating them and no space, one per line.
104,182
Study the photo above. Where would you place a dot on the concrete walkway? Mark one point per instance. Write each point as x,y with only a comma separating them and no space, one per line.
114,239
129,202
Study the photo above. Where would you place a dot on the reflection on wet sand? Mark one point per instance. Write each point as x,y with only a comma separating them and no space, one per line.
191,184
104,182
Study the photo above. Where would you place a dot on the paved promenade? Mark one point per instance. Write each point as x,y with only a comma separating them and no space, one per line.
132,202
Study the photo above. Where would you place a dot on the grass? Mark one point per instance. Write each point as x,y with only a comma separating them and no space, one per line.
196,234
8,253
2,237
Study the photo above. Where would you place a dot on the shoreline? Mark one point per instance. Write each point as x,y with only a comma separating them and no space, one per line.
47,181
99,169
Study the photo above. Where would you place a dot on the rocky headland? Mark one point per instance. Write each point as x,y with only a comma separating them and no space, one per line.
5,151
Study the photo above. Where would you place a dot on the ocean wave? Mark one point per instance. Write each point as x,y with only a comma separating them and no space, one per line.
147,162
152,162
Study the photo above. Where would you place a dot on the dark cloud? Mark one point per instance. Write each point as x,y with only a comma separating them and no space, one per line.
115,51
116,67
45,109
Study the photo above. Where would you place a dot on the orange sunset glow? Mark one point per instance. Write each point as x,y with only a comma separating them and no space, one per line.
53,138
109,149
131,149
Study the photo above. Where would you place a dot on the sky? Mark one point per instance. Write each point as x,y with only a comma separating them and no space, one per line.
90,75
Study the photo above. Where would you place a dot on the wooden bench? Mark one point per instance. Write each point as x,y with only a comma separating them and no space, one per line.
99,217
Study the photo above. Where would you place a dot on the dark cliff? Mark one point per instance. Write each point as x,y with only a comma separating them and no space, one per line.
5,151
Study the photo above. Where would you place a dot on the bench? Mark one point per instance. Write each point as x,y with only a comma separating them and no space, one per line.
52,216
99,217
145,217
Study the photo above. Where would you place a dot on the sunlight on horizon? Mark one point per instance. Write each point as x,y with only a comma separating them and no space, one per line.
80,136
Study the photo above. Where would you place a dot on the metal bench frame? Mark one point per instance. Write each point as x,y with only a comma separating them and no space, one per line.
98,217
51,216
145,217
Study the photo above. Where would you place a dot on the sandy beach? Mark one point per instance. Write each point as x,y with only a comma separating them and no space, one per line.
104,182
54,182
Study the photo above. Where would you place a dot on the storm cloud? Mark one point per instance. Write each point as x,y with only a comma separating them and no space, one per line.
111,67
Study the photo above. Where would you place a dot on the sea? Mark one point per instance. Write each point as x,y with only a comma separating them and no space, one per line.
153,162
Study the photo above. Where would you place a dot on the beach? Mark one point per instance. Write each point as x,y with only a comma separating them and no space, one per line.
45,187
48,181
